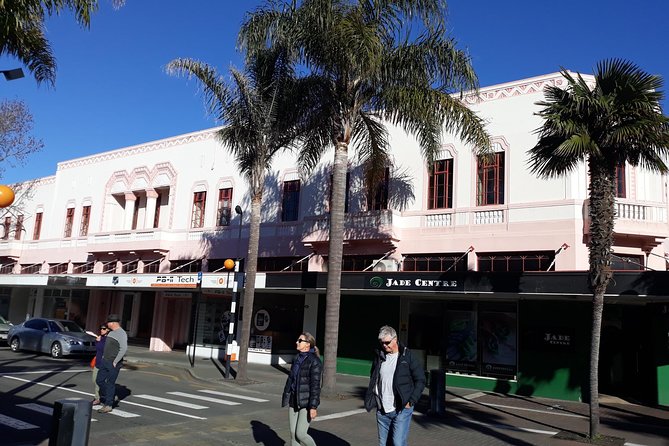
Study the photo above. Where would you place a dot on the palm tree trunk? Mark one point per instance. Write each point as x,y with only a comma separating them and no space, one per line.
249,286
602,216
335,255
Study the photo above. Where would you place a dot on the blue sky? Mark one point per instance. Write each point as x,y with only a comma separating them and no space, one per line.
112,91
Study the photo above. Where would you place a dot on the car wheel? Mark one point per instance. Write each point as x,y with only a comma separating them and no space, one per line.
15,344
56,350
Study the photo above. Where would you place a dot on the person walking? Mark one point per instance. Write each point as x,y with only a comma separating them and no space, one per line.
115,348
302,392
396,383
97,360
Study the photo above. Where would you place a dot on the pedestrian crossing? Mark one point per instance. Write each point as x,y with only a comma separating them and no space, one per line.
182,404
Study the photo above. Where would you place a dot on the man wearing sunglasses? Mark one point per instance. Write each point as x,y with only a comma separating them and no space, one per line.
395,386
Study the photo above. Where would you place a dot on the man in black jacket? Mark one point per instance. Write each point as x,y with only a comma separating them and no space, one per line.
396,384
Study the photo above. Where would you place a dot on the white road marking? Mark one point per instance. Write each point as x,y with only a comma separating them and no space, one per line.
121,413
232,395
339,415
52,372
205,398
16,424
469,398
90,394
169,401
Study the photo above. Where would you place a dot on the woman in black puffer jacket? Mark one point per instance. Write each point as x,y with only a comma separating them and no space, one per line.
303,390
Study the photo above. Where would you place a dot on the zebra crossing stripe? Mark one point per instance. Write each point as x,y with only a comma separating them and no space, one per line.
169,401
232,395
205,398
16,424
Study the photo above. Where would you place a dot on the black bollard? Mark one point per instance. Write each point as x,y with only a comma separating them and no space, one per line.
71,422
437,392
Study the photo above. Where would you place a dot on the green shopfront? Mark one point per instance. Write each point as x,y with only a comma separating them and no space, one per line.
522,334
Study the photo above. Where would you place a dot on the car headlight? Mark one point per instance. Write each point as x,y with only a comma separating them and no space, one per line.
74,342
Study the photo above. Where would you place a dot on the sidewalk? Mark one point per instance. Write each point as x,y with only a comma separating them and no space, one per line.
471,418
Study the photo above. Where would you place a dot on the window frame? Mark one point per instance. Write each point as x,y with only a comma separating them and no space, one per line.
290,201
85,220
224,196
484,171
437,177
69,222
37,230
199,207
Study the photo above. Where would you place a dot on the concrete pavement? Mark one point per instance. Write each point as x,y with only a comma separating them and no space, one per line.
471,417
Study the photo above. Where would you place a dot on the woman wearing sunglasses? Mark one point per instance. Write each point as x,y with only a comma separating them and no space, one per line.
99,348
302,392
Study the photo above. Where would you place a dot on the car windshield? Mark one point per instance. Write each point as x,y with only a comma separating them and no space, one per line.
65,326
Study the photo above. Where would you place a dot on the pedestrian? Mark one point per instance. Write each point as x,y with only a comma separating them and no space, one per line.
302,392
396,383
115,348
97,359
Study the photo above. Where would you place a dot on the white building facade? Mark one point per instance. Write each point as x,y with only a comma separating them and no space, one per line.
480,265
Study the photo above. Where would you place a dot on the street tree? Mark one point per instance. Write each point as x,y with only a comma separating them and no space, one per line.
614,121
261,116
379,62
22,31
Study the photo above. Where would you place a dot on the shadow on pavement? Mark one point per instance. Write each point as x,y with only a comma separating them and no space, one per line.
265,435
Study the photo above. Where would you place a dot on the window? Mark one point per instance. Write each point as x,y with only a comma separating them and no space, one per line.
156,216
279,263
7,266
135,214
38,226
224,207
435,262
356,263
440,188
291,200
109,267
19,227
377,199
197,219
130,267
490,180
620,181
69,219
6,228
516,261
151,266
60,268
83,268
85,220
185,266
31,269
346,195
626,262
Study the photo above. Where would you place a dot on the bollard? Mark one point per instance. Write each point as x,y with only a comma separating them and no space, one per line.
71,422
437,392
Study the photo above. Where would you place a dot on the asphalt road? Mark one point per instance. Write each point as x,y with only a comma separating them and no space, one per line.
157,405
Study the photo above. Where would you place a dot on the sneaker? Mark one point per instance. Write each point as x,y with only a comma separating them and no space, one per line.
105,409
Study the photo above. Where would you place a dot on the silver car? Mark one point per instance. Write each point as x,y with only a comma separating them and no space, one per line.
4,328
54,336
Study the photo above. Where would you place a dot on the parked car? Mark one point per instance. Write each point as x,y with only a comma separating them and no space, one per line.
54,336
4,328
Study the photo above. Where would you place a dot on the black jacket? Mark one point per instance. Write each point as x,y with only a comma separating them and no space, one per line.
308,387
408,380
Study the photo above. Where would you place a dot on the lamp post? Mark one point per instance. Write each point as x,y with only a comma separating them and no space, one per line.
238,282
10,75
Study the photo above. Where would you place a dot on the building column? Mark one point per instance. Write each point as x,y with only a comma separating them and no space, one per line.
151,202
130,199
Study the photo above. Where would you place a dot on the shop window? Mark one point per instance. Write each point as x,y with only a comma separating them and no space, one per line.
440,187
85,220
38,226
435,262
516,261
6,228
290,203
620,262
490,180
346,194
620,181
197,217
185,266
213,327
224,207
69,220
377,198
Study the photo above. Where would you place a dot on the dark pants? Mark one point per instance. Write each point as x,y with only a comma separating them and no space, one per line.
106,380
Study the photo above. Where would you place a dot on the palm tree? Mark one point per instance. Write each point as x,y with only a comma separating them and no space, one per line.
258,109
22,31
617,120
372,71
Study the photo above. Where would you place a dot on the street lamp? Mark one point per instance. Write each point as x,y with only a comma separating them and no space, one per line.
10,75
